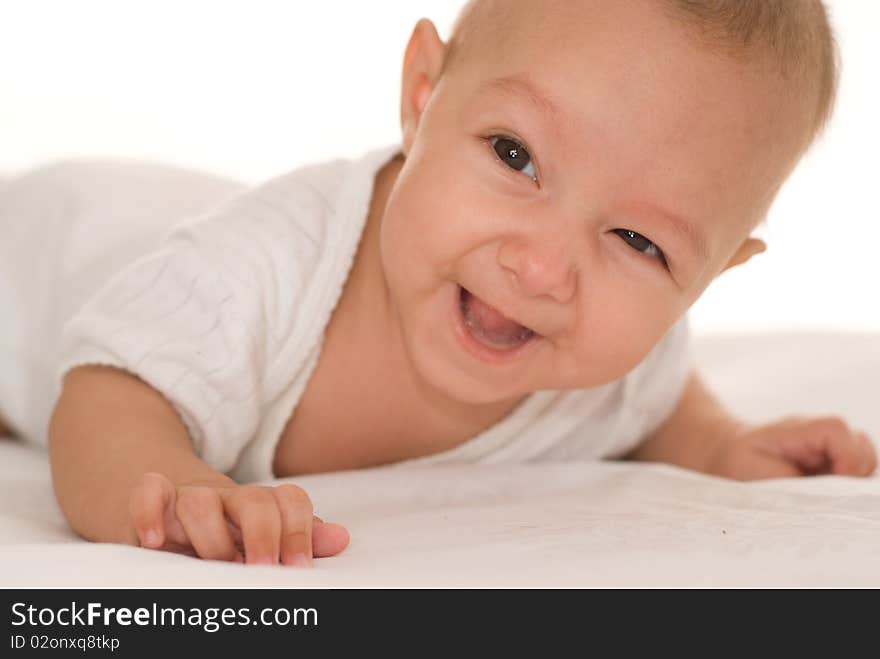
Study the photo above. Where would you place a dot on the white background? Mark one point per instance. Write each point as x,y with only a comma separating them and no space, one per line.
252,88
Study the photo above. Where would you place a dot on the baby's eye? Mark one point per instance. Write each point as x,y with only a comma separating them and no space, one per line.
639,243
514,155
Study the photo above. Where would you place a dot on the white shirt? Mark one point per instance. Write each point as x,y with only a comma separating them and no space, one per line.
224,313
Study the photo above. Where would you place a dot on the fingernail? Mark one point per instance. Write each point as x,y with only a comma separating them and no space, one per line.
301,560
151,538
263,560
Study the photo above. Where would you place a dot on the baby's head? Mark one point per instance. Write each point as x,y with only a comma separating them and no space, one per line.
588,167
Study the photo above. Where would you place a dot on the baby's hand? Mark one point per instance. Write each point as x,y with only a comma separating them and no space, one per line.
795,446
242,523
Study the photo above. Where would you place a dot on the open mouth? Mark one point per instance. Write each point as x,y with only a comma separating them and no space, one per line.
490,328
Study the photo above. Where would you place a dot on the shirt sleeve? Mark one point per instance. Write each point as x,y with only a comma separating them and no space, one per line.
655,386
190,319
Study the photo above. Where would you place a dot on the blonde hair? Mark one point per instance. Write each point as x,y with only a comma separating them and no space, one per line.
795,34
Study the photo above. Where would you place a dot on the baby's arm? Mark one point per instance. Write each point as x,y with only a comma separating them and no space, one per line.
124,471
701,435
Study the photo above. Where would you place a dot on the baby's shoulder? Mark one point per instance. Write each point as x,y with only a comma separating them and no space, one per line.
295,208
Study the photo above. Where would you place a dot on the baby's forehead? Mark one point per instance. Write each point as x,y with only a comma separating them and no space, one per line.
605,48
788,45
497,40
495,28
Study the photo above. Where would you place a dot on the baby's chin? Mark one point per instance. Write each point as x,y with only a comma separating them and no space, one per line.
449,361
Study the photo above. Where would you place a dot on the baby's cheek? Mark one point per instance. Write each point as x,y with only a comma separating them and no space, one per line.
610,345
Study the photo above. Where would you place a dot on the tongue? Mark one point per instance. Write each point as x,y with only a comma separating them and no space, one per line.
487,324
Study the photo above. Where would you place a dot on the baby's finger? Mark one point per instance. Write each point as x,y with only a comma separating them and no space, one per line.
843,448
295,508
200,512
146,506
254,510
869,454
328,539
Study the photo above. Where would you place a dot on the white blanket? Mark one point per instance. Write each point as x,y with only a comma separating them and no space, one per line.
573,524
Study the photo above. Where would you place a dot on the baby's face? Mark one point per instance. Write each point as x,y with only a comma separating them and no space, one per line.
588,175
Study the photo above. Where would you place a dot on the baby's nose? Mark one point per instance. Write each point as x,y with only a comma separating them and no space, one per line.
545,267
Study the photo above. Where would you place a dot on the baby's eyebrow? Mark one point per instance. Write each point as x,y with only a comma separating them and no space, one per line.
692,234
521,86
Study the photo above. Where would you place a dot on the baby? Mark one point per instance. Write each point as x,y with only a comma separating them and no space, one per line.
509,283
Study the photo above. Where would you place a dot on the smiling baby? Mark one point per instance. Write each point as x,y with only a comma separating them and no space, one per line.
508,283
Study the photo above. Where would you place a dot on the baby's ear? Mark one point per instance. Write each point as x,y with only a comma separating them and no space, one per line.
748,248
422,64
